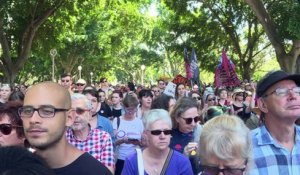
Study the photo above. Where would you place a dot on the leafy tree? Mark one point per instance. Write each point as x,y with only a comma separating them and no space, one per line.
282,30
19,23
212,25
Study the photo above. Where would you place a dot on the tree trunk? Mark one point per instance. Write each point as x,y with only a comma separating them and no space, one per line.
12,67
286,60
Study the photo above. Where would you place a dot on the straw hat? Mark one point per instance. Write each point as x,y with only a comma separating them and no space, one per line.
236,91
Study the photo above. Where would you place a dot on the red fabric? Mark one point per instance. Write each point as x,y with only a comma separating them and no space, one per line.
225,74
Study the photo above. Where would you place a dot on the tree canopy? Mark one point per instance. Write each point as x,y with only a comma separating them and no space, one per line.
114,38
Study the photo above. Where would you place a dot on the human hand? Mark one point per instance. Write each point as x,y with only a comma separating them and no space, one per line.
191,149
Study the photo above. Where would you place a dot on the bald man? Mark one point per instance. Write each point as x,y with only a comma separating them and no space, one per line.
45,116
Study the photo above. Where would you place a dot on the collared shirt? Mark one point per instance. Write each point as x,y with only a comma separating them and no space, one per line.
105,124
271,158
98,144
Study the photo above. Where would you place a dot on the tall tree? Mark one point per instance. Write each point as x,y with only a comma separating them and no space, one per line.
19,22
211,25
282,30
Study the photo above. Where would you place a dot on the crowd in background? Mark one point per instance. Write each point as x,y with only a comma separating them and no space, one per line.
123,125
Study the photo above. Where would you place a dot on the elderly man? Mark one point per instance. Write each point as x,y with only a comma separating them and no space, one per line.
96,142
276,144
46,116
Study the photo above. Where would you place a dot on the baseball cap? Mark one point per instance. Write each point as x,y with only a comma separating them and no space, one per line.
273,77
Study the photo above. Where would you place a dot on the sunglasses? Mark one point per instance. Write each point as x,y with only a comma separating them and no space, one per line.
197,98
240,94
80,111
190,120
158,132
79,84
210,170
6,129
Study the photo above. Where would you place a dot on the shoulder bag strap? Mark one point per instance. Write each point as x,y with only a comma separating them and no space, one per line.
118,122
163,171
140,161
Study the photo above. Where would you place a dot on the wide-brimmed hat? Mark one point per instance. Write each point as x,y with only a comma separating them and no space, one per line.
236,91
81,81
273,77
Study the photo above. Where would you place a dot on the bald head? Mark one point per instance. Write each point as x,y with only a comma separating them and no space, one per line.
50,92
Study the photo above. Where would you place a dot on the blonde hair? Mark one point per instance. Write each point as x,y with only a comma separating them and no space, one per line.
225,137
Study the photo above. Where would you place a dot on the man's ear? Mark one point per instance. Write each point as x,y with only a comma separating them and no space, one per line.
262,105
70,118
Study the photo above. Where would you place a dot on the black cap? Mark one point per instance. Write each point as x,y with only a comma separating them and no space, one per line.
273,77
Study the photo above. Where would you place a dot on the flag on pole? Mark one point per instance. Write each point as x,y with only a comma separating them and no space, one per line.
195,69
225,74
187,64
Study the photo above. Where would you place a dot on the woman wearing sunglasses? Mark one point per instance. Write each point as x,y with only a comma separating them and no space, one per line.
186,129
11,129
157,158
225,146
240,107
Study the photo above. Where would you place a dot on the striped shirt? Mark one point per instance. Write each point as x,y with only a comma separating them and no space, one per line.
271,158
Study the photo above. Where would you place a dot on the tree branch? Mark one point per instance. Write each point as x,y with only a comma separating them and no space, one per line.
29,34
258,7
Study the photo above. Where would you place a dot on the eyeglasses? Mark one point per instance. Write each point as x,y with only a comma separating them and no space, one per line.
211,99
211,170
130,110
190,120
79,111
284,91
45,111
80,84
197,98
158,132
6,129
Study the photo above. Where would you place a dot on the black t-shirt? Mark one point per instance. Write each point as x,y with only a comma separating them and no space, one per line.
116,112
105,110
242,114
83,165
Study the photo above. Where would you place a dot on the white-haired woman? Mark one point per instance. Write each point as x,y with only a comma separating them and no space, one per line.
157,158
225,146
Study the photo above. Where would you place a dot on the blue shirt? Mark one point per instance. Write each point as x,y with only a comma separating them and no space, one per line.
104,124
178,165
271,158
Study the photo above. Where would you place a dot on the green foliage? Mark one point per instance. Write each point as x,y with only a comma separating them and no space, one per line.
114,38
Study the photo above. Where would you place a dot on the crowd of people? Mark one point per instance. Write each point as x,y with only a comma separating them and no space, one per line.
78,128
